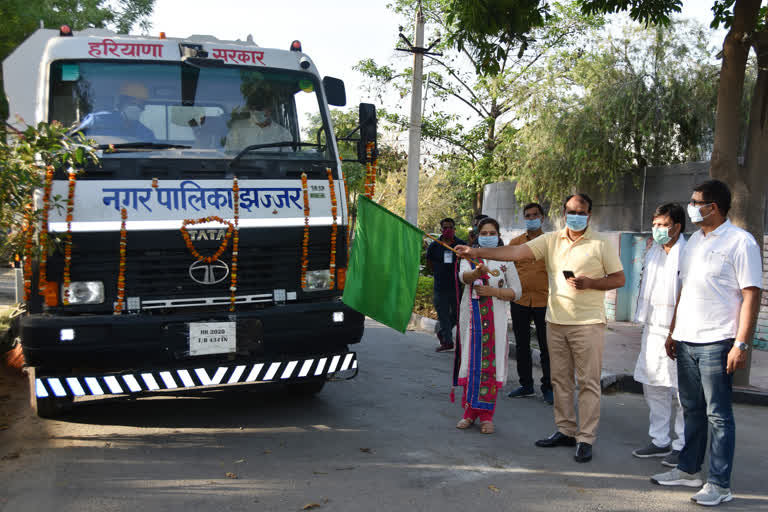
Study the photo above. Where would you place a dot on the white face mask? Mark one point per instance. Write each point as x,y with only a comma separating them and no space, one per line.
132,112
694,212
259,116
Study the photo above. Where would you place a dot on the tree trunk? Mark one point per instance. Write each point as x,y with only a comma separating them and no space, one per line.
746,181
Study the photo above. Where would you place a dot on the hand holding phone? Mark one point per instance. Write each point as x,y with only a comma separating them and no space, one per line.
568,274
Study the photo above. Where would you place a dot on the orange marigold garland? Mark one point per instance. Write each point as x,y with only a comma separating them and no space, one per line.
68,240
191,247
349,216
29,244
121,270
370,170
235,244
43,279
334,227
305,241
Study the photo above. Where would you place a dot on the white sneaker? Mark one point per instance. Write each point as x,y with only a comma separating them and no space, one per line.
677,477
712,494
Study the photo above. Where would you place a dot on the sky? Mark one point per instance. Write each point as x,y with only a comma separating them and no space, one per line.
336,34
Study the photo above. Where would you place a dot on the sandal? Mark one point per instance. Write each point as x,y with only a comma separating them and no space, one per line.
487,427
464,423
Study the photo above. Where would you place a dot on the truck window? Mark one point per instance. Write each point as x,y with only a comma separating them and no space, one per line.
220,110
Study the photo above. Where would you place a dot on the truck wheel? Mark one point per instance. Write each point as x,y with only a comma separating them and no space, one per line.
311,387
50,407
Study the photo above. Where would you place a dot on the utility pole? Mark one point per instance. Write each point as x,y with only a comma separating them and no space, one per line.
414,124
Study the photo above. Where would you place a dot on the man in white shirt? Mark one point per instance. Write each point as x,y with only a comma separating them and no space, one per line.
255,126
712,330
656,302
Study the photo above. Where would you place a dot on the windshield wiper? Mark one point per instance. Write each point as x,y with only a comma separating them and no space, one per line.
142,145
282,144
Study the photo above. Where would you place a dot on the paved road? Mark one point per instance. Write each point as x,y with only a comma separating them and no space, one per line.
383,442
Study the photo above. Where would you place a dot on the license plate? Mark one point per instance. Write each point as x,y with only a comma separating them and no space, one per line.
212,338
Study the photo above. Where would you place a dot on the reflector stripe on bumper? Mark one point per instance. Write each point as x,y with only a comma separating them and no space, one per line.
180,378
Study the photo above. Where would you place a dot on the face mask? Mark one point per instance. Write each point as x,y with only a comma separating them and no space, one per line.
259,116
448,232
488,241
661,235
532,224
132,112
576,222
694,212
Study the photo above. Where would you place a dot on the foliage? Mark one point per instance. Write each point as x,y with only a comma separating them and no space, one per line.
489,30
423,304
23,162
649,12
435,203
467,111
645,98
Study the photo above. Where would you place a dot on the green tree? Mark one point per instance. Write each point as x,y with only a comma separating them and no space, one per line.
20,18
464,139
644,98
747,24
23,163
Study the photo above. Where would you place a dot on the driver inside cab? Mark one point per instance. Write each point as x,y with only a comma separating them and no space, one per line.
255,125
124,122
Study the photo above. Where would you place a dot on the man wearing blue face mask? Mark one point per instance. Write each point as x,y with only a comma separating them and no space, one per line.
659,288
710,334
581,266
532,304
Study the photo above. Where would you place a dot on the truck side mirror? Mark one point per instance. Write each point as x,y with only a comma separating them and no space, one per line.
334,91
368,124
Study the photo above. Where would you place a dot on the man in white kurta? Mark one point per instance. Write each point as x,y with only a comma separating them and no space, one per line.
659,289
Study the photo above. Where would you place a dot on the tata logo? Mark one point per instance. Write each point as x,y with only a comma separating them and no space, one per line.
208,273
206,234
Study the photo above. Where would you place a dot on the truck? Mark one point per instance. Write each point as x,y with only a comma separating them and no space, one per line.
207,247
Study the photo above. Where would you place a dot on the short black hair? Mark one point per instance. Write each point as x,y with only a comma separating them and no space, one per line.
533,205
717,192
480,216
584,198
674,211
447,219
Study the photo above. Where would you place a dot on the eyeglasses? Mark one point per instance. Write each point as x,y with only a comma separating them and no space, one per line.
693,202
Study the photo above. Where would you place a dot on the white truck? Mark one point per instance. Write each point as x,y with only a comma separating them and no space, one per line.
209,245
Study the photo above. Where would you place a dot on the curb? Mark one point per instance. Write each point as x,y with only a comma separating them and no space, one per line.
609,382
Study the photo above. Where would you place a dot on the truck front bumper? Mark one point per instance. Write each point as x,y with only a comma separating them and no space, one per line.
113,343
188,377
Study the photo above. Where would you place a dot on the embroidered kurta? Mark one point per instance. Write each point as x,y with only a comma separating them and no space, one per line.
507,278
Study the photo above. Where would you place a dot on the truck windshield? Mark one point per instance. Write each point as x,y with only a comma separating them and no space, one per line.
221,110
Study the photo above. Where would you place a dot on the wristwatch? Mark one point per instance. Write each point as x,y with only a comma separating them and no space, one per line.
742,346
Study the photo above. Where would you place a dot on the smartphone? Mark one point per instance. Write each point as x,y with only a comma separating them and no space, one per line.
568,274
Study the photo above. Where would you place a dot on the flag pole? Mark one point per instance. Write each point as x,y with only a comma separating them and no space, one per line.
493,272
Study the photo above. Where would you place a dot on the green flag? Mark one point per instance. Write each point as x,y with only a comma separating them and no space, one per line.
383,266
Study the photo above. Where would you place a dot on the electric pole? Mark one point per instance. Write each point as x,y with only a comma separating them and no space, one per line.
414,124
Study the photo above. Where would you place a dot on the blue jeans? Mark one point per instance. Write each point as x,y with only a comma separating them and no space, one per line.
705,393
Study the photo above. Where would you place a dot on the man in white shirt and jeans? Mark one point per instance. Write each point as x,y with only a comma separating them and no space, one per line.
712,330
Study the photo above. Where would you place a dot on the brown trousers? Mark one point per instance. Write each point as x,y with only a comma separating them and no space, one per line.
576,349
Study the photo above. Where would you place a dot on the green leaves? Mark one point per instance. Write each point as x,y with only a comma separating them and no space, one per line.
649,12
23,161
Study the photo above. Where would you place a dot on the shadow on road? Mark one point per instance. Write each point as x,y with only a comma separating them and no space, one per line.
254,408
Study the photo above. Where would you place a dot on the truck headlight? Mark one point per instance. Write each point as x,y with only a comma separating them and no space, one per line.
318,280
85,292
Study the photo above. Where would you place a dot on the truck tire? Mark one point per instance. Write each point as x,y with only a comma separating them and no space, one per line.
311,387
50,407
